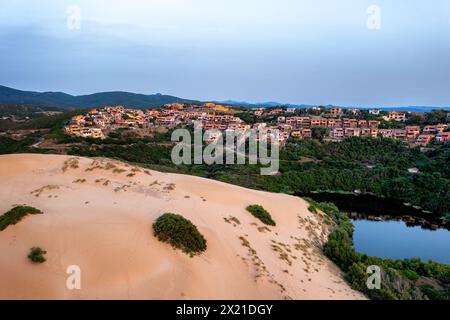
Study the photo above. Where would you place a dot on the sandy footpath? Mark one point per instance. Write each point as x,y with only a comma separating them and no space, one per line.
98,215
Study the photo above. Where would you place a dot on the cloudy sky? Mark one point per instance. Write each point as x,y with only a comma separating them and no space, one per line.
296,51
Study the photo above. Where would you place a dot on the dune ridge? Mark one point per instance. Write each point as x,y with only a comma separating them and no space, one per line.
98,215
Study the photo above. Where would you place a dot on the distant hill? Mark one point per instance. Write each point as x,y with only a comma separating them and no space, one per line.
24,110
252,105
61,100
416,109
64,100
278,104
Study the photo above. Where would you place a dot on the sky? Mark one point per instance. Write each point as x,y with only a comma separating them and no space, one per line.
346,52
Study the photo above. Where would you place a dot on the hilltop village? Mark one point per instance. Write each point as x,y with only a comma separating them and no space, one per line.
335,123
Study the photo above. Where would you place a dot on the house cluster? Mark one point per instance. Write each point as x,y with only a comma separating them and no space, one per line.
396,116
301,127
341,128
98,123
411,134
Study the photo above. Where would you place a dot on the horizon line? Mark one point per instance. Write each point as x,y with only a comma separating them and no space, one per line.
237,102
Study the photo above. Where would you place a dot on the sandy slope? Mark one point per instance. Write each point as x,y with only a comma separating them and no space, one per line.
103,225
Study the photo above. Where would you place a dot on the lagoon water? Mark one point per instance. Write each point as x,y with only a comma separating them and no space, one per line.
394,239
389,238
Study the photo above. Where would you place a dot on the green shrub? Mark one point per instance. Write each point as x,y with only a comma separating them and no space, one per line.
357,276
262,214
37,255
312,209
16,214
180,233
447,219
410,274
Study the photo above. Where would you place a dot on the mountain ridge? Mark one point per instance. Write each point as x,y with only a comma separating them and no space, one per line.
64,100
137,100
270,104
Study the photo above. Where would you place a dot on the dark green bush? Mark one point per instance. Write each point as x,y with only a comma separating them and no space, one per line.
262,214
411,275
16,214
37,255
335,167
447,219
180,233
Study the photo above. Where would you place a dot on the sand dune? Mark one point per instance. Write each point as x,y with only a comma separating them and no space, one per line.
98,215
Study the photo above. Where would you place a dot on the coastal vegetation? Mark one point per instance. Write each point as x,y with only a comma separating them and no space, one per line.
374,166
36,255
262,214
9,145
368,166
15,215
37,121
409,279
180,233
377,166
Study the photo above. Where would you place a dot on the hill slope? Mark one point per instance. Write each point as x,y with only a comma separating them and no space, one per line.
60,99
98,216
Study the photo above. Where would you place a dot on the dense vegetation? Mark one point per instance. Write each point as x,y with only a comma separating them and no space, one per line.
262,214
16,214
39,128
41,122
430,118
377,166
139,152
9,145
400,279
180,233
36,255
247,117
24,111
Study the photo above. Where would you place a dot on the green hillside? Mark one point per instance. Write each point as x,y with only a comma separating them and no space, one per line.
63,100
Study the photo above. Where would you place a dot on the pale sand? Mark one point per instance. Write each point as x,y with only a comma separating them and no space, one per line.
106,229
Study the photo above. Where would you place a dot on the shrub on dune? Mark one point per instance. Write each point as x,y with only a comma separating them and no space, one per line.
37,255
16,214
180,233
262,214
